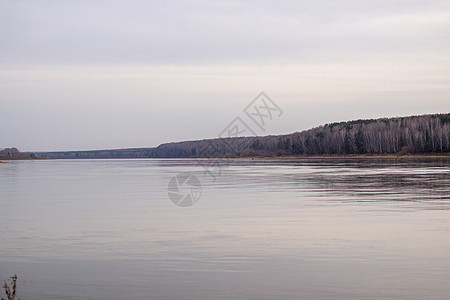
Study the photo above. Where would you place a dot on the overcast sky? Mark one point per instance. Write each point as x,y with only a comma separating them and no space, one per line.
80,75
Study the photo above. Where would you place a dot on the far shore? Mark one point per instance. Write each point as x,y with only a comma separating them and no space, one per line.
350,156
6,159
323,156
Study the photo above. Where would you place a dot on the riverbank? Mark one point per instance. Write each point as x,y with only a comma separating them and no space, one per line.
322,156
21,158
356,156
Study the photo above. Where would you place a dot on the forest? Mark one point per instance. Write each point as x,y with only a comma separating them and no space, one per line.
416,134
399,135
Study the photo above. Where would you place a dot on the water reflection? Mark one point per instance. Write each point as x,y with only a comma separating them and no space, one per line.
413,180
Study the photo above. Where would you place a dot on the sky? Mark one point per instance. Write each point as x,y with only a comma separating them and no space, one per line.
83,75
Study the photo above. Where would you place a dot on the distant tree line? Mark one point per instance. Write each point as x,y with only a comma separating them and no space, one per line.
415,134
14,153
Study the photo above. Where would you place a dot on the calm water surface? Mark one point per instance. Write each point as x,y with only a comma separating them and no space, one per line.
264,229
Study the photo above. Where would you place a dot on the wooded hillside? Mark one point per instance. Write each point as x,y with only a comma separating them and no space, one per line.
401,135
417,134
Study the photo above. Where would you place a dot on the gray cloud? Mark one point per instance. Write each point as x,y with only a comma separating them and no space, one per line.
207,31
